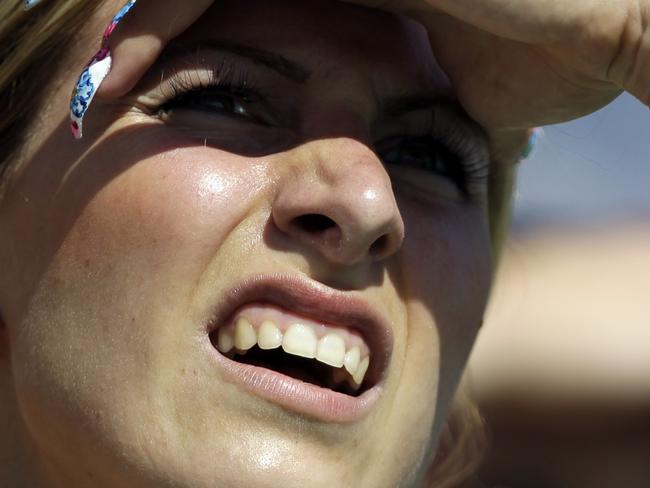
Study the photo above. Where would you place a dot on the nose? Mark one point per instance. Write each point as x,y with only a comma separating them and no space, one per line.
338,199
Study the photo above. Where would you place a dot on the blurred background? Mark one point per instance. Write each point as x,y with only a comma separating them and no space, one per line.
561,370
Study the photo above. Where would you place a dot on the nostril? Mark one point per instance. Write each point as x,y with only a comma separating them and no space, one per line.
378,248
313,223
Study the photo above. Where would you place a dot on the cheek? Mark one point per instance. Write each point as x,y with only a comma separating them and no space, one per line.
143,240
167,214
449,265
191,197
111,299
447,275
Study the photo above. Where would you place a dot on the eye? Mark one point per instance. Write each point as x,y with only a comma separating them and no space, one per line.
220,100
424,153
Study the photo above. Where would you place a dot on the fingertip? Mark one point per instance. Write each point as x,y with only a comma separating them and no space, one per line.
139,39
131,60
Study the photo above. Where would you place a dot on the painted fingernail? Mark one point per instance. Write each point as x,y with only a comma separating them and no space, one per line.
117,19
532,143
87,85
31,4
93,75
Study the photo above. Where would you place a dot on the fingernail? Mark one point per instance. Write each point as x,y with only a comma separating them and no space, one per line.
117,19
93,76
87,85
532,143
31,4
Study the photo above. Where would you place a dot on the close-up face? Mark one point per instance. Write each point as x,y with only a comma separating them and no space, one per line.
191,294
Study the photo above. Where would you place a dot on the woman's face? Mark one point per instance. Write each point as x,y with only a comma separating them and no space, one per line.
284,162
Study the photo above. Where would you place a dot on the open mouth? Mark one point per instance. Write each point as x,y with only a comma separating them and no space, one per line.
305,347
328,356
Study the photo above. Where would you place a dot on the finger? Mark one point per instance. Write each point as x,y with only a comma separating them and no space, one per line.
141,37
535,21
131,43
610,38
531,21
504,84
94,74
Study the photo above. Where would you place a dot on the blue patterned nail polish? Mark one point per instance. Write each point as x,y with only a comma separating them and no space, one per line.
93,75
31,4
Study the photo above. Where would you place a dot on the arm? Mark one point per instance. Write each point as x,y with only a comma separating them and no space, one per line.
514,64
520,63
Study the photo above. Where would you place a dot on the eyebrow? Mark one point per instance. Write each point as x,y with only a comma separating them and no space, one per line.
276,62
392,107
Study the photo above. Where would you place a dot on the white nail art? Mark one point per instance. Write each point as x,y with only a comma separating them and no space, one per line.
31,4
93,75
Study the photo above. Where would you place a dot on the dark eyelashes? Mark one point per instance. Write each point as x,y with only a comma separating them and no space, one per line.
460,163
448,145
225,76
466,139
194,96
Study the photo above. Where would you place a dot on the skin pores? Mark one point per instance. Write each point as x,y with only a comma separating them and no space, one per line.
117,250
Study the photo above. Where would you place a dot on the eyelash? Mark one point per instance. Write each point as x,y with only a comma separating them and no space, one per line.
225,79
469,167
450,137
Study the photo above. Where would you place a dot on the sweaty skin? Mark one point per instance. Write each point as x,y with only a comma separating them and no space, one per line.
118,250
519,64
115,250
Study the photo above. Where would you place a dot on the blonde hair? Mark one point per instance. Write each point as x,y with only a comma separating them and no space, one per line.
31,47
31,43
462,447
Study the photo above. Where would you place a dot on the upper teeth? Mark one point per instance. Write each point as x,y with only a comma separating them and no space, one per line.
299,339
331,350
269,336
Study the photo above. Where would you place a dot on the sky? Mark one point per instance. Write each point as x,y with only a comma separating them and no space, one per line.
593,169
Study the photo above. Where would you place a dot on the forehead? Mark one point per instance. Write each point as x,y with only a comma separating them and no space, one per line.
327,36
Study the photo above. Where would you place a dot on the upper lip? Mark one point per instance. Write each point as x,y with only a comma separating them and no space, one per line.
318,302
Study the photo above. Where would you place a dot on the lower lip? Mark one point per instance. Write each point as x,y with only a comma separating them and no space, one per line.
304,398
